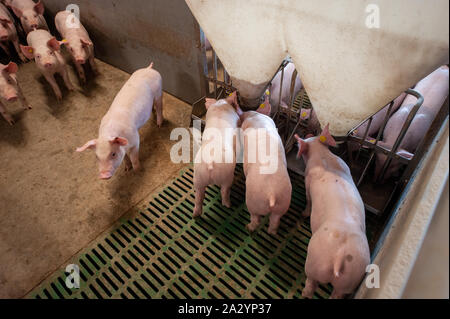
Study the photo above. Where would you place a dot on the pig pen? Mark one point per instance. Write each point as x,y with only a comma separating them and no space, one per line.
51,201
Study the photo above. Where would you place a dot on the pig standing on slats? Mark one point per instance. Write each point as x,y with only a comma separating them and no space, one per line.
77,41
377,122
268,187
338,252
31,14
222,120
8,32
44,48
434,89
118,136
10,90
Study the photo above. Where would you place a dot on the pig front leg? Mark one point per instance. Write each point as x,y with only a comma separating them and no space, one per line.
65,75
81,73
128,164
51,80
134,158
310,288
255,220
159,111
93,64
22,99
6,115
199,197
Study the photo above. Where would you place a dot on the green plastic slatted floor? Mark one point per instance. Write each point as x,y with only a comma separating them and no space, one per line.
162,252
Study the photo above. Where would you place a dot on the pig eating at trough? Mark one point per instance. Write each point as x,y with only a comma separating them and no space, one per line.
338,252
10,89
268,187
434,89
31,14
118,136
8,32
222,120
44,49
77,41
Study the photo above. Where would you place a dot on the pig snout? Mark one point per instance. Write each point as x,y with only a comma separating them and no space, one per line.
105,175
80,61
11,98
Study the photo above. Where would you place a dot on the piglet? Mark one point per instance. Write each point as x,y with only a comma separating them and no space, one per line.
338,252
118,136
268,187
313,124
222,120
286,89
10,89
8,32
31,14
44,48
77,41
434,89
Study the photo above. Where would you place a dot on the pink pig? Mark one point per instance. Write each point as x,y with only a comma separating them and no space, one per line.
222,117
286,89
313,122
118,136
31,14
8,32
77,41
44,48
338,252
268,187
10,89
434,89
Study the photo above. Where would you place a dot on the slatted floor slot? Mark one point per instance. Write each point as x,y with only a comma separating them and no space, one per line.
160,251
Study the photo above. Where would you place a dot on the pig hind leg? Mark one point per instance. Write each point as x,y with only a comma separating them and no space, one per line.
199,197
159,110
255,220
310,288
225,193
22,98
274,222
92,62
65,75
128,164
336,294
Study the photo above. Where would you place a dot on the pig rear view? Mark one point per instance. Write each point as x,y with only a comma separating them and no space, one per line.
338,252
118,136
268,187
222,120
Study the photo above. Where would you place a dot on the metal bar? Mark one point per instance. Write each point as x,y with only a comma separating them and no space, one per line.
215,72
403,131
279,94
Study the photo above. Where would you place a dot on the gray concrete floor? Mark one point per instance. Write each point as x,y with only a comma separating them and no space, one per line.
51,202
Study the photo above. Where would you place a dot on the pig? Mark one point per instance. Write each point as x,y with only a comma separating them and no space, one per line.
77,41
434,89
268,190
118,136
45,50
8,32
286,89
338,252
377,122
313,126
222,116
10,90
31,14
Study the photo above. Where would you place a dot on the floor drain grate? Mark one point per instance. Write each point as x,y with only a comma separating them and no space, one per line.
162,252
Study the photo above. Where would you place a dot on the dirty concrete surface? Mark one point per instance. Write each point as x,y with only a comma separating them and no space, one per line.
51,202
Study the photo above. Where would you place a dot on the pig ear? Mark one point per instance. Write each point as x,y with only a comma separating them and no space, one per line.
233,101
11,68
53,44
122,141
89,145
87,43
39,7
17,12
302,146
326,138
27,51
209,102
405,153
265,107
305,114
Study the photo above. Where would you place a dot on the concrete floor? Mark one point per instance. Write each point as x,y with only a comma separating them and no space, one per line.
51,202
